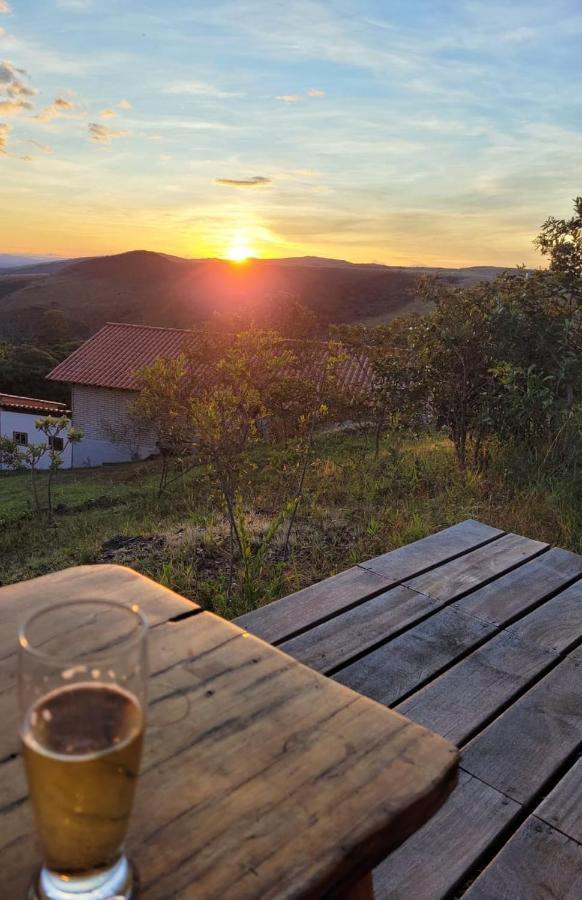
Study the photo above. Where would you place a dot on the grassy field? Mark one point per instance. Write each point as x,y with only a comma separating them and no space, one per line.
355,507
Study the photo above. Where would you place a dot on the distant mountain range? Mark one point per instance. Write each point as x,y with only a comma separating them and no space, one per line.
11,260
159,289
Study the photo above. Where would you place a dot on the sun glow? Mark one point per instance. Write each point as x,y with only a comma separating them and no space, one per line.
239,253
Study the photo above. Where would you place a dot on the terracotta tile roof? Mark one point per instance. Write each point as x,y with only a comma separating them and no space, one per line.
116,353
32,404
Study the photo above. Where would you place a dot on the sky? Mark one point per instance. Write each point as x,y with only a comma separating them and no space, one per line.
418,132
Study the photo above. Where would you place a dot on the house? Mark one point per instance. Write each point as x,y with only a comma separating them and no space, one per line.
18,417
104,380
102,374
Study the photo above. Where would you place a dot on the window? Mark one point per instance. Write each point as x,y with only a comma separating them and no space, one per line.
56,443
20,438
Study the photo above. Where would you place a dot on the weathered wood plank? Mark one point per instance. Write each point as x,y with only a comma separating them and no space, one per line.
538,862
311,605
523,588
528,742
350,633
397,667
113,582
414,558
439,856
99,582
261,776
455,578
171,646
286,617
556,625
562,808
463,699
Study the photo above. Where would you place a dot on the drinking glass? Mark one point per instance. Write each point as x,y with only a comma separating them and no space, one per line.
82,692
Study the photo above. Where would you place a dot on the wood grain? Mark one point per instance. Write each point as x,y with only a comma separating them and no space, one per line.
397,667
538,862
562,808
438,857
412,559
101,582
522,589
463,699
459,576
556,625
261,778
287,617
527,743
296,612
334,642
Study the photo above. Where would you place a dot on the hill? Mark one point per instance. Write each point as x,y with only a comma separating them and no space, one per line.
158,289
18,260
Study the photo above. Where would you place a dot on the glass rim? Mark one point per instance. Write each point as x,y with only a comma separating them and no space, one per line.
132,640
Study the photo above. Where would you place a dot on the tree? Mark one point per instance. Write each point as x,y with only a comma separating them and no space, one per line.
393,395
561,240
227,395
456,352
163,405
17,458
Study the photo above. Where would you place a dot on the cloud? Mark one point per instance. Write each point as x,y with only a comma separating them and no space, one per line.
197,89
59,107
107,113
3,32
12,83
102,134
124,104
4,129
43,147
4,6
289,98
255,181
315,92
13,107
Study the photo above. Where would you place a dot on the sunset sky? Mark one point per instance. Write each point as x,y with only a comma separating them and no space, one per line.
429,132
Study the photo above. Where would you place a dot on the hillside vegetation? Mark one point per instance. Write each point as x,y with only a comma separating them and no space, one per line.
355,507
157,289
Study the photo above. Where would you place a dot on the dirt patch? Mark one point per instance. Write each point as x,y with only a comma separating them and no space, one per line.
122,549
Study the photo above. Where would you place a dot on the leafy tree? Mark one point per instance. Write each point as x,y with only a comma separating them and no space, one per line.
493,361
163,406
561,240
393,396
455,354
227,395
18,458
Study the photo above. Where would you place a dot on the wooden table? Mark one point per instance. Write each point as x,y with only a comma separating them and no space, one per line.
261,778
477,635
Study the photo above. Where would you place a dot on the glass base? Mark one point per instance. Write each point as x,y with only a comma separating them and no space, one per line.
117,883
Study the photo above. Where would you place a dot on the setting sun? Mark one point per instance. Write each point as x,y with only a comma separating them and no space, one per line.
239,253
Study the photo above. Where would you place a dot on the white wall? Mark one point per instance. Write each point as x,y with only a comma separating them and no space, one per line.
111,434
12,420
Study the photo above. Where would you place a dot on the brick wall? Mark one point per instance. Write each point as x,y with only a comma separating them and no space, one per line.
111,435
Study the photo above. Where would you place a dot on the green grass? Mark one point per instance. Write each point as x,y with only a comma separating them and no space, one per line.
354,507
